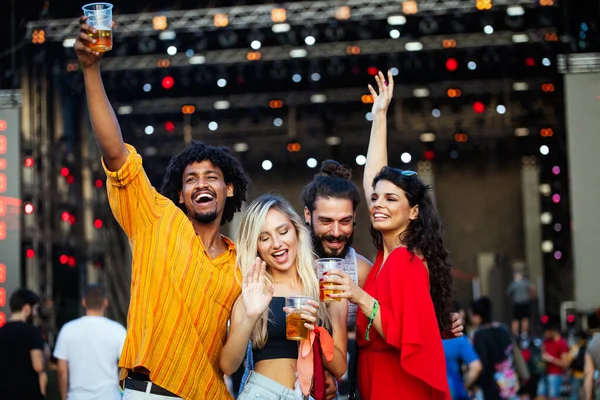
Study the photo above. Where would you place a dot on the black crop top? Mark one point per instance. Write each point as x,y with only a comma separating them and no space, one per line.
277,345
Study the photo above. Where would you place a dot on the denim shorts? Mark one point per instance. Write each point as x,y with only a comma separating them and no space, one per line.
259,387
549,385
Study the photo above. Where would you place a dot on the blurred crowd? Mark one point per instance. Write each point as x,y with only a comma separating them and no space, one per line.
494,361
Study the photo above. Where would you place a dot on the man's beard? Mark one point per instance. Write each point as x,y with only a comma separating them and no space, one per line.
206,217
322,252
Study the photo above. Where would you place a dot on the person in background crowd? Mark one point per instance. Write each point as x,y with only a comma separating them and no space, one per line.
22,366
520,291
460,351
555,352
591,378
88,351
183,270
577,364
493,344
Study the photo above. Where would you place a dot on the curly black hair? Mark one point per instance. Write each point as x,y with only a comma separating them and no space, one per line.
425,235
332,181
220,156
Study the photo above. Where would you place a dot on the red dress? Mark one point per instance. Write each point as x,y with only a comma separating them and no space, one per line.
409,364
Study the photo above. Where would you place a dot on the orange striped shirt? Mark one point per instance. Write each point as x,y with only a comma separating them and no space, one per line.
181,299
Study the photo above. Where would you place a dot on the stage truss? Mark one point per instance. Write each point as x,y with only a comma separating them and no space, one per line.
260,16
319,51
296,98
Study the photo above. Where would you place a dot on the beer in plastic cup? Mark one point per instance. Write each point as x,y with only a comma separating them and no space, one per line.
100,18
294,323
325,265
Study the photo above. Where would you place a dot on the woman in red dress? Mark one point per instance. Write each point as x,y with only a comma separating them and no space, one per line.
406,299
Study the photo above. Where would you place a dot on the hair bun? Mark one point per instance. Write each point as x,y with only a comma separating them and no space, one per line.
334,168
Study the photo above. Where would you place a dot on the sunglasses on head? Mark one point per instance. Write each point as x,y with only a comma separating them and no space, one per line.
407,172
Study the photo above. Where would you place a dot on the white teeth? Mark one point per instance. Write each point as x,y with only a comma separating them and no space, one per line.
279,253
204,196
378,215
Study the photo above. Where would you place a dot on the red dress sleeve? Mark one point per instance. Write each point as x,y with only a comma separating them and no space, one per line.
409,320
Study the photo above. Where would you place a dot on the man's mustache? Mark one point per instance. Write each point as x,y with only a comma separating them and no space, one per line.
331,238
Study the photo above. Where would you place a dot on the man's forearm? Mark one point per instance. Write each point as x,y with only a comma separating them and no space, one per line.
43,380
63,386
104,121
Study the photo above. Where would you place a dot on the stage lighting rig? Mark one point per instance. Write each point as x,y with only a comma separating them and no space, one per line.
262,15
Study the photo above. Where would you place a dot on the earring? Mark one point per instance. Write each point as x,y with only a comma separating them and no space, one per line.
307,223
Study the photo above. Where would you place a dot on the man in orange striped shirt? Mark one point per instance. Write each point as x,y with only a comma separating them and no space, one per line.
183,271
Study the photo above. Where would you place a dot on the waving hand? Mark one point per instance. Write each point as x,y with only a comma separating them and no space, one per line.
255,295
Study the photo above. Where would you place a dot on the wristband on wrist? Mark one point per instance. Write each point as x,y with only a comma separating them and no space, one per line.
371,317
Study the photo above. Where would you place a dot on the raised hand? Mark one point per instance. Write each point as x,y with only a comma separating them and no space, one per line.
255,295
381,100
87,57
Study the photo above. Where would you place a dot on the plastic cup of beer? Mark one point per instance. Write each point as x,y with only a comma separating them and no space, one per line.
294,323
100,18
326,265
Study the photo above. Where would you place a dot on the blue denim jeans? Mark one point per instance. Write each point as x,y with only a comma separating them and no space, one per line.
549,385
259,387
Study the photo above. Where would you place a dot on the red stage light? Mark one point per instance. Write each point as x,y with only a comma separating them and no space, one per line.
429,155
168,82
72,262
544,319
29,162
530,62
64,171
99,183
372,71
2,297
169,126
72,220
30,253
65,216
28,208
451,64
478,107
70,179
571,318
64,259
2,319
98,224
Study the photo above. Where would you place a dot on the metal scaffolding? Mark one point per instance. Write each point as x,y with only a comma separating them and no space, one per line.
258,16
296,98
321,50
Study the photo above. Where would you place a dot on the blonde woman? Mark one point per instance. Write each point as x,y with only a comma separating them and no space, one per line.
275,258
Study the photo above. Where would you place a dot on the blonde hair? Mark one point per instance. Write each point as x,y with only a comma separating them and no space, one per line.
248,233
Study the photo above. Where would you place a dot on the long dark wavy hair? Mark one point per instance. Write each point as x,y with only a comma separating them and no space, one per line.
220,156
424,235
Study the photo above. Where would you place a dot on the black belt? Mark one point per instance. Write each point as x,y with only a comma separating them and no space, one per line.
139,383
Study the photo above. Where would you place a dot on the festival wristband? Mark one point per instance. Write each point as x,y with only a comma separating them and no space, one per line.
371,317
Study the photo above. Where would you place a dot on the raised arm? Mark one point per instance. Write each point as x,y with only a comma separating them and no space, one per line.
377,152
246,312
104,122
